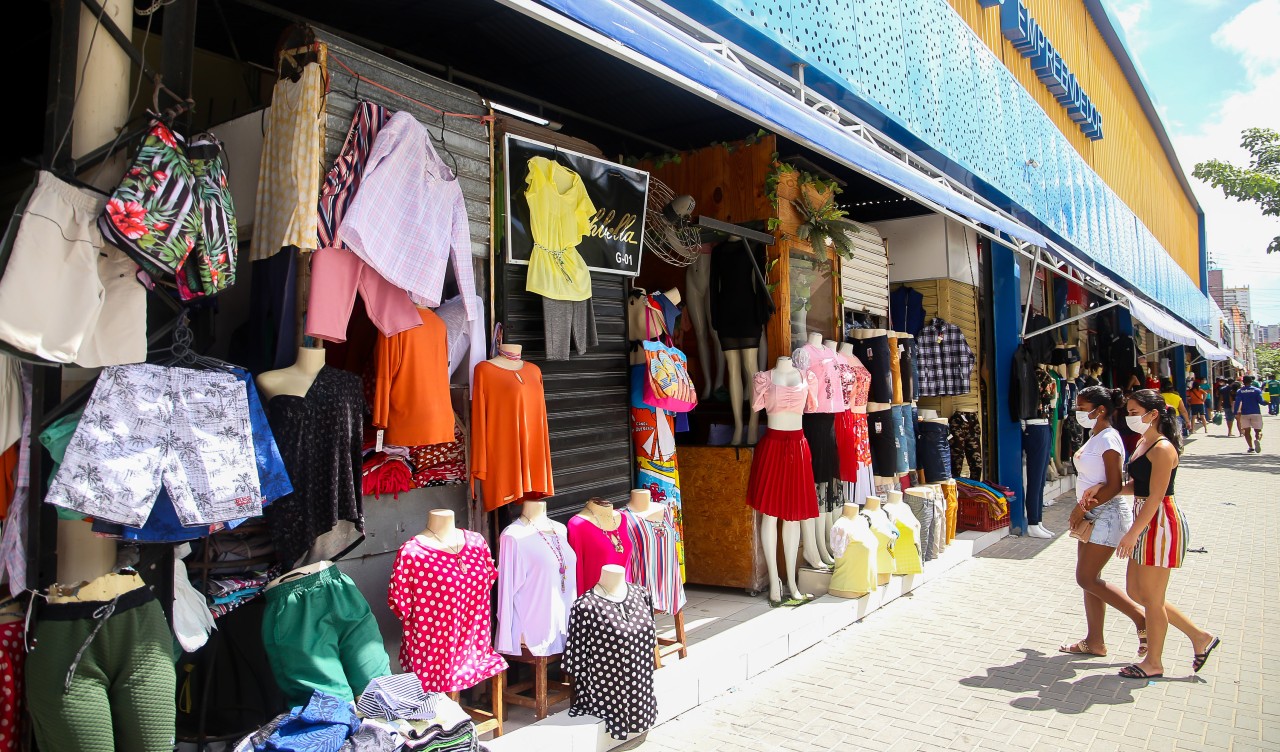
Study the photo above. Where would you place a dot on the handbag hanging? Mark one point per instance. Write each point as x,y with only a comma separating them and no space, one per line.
667,385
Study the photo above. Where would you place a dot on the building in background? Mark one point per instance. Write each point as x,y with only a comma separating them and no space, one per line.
1268,334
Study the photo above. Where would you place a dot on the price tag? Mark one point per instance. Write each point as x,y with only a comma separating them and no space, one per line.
377,447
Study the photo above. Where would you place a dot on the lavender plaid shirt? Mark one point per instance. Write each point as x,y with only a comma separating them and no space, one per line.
944,361
408,218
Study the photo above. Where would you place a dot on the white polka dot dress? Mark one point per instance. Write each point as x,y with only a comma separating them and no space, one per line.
442,600
610,656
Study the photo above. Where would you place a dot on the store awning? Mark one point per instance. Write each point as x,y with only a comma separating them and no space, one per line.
1161,323
1211,351
1237,364
651,43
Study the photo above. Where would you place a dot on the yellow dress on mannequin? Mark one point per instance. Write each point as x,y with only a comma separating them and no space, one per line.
559,217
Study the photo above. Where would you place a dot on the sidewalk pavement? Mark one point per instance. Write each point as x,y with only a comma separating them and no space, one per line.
971,662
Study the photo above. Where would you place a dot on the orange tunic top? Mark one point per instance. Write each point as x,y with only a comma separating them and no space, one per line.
411,389
510,441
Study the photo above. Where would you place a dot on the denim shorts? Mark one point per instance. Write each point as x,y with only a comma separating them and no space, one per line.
1111,521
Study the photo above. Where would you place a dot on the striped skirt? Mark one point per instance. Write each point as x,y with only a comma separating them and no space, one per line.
1164,541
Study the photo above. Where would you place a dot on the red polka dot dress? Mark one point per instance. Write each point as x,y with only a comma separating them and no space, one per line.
442,599
13,657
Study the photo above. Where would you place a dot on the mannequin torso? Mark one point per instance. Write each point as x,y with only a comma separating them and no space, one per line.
784,373
296,379
868,333
641,503
508,357
441,533
613,583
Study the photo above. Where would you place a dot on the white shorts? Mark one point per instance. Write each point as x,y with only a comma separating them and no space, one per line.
120,336
1249,421
147,424
50,295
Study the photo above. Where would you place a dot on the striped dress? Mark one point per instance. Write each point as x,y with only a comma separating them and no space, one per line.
655,560
1163,543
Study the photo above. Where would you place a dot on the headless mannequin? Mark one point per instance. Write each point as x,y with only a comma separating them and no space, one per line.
597,511
508,357
641,502
742,371
872,507
441,532
698,287
818,531
296,379
868,333
827,519
881,482
613,583
534,513
852,512
784,373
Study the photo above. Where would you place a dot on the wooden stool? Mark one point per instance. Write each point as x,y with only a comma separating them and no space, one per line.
488,720
667,646
545,693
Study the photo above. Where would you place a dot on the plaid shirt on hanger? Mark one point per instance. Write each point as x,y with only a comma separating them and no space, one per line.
944,360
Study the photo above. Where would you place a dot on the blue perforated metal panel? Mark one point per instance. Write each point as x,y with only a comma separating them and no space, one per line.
916,71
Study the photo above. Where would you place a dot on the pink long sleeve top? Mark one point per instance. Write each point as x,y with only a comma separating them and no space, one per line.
595,548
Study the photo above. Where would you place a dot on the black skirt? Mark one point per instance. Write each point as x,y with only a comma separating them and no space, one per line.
820,432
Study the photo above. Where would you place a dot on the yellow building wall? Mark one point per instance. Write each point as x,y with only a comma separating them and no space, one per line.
1129,156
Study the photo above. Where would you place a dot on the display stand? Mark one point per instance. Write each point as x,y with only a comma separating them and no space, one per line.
667,646
487,720
545,692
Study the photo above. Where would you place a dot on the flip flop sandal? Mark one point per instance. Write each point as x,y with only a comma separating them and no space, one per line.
1202,658
1142,643
1135,672
1080,648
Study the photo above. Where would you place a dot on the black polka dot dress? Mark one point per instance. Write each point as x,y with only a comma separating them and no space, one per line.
609,653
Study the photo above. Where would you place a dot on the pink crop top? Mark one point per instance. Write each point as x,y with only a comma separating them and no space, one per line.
776,398
823,363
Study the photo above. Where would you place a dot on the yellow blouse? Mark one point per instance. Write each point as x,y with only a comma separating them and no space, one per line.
559,217
906,552
855,548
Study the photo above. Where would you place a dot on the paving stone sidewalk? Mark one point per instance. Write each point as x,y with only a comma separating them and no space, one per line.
970,661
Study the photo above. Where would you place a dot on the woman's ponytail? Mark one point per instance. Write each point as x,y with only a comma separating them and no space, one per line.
1166,416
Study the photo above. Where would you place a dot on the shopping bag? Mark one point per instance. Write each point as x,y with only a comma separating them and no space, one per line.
667,384
1217,418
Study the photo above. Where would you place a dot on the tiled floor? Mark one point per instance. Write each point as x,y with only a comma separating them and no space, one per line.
970,661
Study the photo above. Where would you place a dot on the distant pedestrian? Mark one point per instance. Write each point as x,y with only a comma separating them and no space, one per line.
1100,476
1273,394
1196,397
1174,400
1227,398
1248,402
1157,542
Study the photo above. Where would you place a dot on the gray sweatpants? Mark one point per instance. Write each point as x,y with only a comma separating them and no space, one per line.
563,320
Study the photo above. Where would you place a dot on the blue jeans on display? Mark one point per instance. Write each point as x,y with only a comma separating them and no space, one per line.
906,438
934,451
1036,444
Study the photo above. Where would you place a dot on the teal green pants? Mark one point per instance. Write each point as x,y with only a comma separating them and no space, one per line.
120,695
320,634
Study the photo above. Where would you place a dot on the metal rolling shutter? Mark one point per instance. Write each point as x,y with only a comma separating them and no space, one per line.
587,405
864,279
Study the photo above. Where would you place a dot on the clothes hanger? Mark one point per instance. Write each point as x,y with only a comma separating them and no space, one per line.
443,145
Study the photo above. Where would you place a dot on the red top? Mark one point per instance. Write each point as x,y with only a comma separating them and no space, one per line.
595,548
442,600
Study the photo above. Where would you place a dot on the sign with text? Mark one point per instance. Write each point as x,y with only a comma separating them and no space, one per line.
619,195
1030,41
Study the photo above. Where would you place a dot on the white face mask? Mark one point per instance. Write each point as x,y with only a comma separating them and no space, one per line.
1136,423
1082,417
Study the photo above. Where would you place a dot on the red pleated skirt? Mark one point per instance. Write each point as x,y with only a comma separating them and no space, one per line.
847,447
781,483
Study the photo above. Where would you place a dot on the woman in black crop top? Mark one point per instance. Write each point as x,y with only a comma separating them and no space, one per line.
1157,542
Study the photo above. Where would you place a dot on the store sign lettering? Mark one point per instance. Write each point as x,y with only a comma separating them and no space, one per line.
1029,39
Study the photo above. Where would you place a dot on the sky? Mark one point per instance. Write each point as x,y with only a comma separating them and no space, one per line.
1213,69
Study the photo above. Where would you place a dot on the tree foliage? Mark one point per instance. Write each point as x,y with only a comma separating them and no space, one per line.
1268,359
1258,183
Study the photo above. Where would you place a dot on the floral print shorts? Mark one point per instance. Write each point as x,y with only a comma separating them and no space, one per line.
148,424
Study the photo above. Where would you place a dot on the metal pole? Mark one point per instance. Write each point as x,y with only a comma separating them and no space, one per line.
1077,317
1026,310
